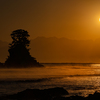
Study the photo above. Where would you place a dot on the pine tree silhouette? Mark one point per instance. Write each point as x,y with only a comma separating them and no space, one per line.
19,52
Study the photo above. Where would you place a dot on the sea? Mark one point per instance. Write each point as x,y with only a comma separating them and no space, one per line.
77,79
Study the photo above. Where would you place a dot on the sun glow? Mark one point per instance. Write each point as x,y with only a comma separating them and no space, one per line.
99,19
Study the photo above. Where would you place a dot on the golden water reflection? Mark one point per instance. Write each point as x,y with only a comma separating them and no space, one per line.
50,71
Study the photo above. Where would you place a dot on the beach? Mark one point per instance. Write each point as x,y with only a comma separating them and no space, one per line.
76,79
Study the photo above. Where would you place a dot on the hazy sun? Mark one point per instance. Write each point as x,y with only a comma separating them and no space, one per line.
99,19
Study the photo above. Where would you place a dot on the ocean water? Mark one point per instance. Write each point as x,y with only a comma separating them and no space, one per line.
77,79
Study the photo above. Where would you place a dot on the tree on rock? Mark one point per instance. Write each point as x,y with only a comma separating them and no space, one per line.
19,52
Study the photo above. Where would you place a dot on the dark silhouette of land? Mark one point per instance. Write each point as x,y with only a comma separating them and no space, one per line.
57,93
19,55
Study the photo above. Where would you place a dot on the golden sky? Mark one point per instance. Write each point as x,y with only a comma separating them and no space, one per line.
74,19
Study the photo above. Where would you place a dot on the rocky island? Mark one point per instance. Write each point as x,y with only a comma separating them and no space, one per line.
19,55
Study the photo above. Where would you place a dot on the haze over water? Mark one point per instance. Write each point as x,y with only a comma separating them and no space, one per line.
76,79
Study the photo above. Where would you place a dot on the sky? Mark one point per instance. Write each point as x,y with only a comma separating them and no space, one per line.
73,19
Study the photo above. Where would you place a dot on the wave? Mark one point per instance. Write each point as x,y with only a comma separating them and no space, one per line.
23,80
46,79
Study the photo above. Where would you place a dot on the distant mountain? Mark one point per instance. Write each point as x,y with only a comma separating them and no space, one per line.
61,49
3,50
54,49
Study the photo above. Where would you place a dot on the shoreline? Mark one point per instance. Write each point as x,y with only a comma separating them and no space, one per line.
57,93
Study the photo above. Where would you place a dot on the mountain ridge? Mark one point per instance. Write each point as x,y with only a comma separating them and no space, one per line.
59,50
